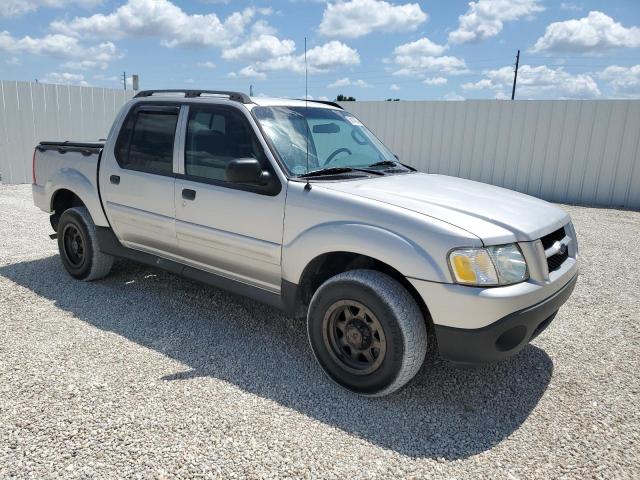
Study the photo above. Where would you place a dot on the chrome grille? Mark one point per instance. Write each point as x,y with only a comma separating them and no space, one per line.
556,248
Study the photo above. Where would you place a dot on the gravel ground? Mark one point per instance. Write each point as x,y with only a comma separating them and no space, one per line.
145,374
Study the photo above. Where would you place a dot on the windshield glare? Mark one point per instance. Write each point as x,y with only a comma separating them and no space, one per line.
336,138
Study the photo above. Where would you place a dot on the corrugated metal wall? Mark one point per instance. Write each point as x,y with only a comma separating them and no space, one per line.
31,112
575,151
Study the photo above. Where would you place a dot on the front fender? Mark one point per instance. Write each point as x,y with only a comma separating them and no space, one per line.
395,250
82,186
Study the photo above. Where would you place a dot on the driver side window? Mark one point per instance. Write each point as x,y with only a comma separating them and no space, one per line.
215,137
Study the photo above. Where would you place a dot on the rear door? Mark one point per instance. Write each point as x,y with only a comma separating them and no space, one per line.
137,179
232,230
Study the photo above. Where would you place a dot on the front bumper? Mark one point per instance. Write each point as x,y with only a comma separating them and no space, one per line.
504,337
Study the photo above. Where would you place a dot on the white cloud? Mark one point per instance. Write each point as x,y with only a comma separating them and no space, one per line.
422,56
105,78
250,72
485,18
331,55
422,47
262,27
435,81
537,82
570,6
347,82
394,87
595,33
14,8
322,58
260,48
356,18
61,46
625,81
453,97
207,64
65,78
84,65
417,65
162,19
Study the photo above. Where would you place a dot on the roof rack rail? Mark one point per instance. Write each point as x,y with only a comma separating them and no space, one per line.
235,96
326,102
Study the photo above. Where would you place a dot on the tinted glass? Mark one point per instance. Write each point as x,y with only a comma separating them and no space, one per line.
146,143
216,136
335,138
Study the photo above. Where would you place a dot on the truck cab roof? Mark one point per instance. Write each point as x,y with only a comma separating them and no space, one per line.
216,95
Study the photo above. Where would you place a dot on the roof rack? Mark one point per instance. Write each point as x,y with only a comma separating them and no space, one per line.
235,96
326,102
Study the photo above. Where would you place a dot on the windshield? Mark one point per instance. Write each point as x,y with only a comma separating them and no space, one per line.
336,138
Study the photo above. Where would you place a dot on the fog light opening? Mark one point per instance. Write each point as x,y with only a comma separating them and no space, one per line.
511,338
542,327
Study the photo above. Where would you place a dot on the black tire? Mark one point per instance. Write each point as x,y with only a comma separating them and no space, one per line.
78,246
366,332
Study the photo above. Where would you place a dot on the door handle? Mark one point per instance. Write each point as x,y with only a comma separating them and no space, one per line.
188,194
115,179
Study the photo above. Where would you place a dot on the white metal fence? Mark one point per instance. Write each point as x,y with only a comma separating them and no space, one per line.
31,112
575,151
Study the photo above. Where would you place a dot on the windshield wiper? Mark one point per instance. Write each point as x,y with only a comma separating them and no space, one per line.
336,171
326,171
390,163
383,163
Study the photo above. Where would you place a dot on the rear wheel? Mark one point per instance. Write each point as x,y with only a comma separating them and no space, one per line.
78,246
367,332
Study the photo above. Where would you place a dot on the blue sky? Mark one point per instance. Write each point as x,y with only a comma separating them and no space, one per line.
370,49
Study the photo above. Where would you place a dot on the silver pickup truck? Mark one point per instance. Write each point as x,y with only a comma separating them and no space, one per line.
296,204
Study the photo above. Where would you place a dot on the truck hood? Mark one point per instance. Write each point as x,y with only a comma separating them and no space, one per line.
495,215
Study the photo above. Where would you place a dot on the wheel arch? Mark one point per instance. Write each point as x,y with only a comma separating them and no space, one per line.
329,264
63,199
71,188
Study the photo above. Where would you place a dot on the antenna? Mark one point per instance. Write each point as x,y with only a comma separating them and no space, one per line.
306,109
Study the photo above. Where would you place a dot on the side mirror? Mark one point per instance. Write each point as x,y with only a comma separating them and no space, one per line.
247,170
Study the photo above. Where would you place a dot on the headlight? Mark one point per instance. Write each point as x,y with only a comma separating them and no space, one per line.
491,266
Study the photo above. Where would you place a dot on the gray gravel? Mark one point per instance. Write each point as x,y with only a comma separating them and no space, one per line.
145,374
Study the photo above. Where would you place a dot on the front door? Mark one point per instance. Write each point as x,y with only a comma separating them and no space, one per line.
228,229
137,180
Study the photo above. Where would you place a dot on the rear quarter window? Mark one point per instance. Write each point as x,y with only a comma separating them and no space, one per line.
146,141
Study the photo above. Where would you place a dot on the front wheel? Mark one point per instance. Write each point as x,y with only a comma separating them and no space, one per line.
367,332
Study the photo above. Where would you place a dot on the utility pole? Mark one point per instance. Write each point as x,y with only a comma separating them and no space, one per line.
124,80
251,90
515,76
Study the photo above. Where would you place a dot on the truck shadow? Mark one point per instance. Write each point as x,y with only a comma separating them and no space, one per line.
444,413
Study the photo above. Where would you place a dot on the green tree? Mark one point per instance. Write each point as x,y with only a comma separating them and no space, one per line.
345,98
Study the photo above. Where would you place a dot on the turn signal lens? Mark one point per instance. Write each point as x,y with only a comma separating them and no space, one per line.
473,266
491,266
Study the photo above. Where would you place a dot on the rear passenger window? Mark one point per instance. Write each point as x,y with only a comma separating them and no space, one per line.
146,141
215,136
